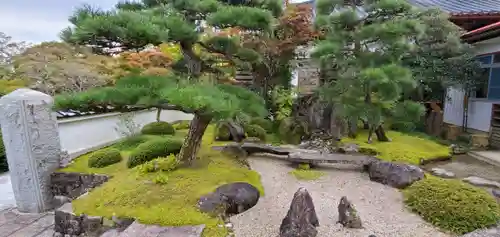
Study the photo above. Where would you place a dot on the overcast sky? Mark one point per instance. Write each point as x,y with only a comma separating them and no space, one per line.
36,21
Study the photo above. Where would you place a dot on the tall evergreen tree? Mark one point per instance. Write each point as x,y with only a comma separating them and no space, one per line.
363,46
134,25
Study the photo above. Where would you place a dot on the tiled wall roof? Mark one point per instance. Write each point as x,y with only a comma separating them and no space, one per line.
461,6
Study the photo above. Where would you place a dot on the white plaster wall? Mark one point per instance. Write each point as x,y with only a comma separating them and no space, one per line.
487,46
479,111
83,134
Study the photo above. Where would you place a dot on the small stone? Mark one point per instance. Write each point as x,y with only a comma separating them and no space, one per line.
58,201
496,192
348,148
442,173
478,181
348,216
91,224
301,219
229,225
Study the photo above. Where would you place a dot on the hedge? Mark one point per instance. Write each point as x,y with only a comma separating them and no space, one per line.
452,204
158,128
159,147
104,157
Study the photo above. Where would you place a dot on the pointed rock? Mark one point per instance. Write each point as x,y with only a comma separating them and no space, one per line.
301,219
348,216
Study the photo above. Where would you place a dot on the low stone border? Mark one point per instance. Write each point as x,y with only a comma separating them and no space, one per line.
73,185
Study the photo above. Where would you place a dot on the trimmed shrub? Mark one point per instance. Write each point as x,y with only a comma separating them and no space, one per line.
155,148
104,157
181,124
166,164
291,131
452,204
222,132
263,123
254,130
130,142
158,128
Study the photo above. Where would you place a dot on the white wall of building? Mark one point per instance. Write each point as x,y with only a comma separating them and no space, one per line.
479,110
80,135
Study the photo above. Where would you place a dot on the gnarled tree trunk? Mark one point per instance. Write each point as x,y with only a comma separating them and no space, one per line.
193,62
381,136
158,114
192,142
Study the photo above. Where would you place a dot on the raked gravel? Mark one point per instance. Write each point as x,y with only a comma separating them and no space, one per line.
380,207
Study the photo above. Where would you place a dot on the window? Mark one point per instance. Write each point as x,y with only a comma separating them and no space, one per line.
485,59
482,90
494,85
496,58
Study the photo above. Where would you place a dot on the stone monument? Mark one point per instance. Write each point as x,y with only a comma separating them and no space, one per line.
32,147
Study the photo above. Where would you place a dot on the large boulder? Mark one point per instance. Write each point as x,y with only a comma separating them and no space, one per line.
348,216
394,174
230,199
301,219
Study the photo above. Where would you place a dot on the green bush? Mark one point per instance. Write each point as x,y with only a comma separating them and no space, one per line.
222,132
291,131
263,123
104,157
253,130
181,124
452,204
165,164
152,149
158,128
130,142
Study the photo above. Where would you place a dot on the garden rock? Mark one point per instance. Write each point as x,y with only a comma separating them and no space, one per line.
67,223
478,181
394,174
230,199
496,193
301,219
442,173
348,216
122,223
58,201
348,148
492,232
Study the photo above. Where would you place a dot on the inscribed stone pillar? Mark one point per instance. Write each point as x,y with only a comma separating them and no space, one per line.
32,146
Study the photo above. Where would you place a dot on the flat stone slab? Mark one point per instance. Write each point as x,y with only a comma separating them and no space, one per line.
478,181
140,230
493,232
16,224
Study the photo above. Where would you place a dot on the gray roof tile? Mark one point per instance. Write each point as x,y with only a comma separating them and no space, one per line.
461,6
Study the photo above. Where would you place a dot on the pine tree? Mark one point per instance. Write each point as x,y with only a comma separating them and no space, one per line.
362,49
134,25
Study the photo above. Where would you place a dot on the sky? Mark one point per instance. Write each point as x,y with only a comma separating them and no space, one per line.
35,21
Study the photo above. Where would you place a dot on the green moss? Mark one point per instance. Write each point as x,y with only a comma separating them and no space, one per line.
304,167
263,123
159,164
158,128
222,132
104,157
306,174
403,148
171,201
452,204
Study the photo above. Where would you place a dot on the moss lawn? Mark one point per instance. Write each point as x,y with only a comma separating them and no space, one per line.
131,193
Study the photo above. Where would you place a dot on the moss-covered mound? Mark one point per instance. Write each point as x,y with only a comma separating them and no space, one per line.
153,149
254,130
266,124
452,204
403,147
222,132
104,157
181,124
291,131
164,198
158,128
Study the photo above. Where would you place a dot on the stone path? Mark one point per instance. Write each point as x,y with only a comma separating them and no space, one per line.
15,224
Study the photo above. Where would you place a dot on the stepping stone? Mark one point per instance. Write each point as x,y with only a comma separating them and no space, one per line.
141,230
442,173
478,181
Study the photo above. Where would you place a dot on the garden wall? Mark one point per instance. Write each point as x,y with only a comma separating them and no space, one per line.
82,134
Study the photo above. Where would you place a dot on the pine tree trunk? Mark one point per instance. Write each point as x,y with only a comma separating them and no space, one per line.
366,125
192,142
381,136
352,128
158,115
193,62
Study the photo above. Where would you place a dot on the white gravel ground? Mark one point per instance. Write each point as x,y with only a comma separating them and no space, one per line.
380,207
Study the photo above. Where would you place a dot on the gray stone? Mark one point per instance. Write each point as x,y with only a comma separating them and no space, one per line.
59,201
394,174
348,148
122,222
348,216
301,219
140,230
32,146
73,185
492,232
496,193
442,173
230,199
65,159
478,181
91,224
